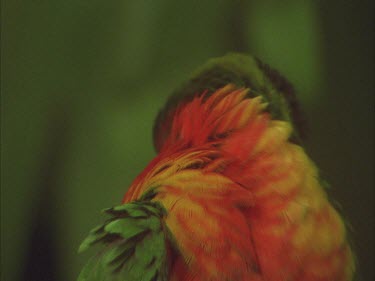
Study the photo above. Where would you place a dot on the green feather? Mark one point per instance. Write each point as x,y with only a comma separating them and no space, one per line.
134,243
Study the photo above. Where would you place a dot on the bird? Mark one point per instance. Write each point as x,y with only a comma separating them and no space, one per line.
231,194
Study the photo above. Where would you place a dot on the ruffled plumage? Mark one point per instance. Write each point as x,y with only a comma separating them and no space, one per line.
242,201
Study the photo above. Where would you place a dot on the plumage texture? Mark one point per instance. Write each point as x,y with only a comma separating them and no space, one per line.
134,245
242,200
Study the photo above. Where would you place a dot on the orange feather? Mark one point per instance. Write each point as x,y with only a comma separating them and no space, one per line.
242,201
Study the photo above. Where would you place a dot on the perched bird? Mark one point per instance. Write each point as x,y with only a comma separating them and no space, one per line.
231,194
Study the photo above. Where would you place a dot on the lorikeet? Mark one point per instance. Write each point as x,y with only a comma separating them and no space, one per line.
231,194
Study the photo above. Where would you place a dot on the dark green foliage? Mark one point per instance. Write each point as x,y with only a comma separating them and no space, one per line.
242,71
134,243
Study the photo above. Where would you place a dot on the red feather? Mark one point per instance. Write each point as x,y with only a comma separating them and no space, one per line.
243,202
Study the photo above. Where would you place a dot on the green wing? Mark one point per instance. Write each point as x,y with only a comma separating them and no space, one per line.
134,240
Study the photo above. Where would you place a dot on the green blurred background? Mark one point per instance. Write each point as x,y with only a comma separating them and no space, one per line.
83,80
